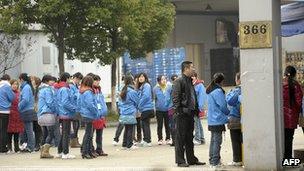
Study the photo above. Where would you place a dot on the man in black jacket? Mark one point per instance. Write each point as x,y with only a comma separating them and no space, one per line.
185,106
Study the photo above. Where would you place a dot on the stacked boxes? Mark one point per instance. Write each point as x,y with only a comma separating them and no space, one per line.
164,62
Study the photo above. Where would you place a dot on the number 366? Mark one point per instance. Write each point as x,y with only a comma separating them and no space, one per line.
255,29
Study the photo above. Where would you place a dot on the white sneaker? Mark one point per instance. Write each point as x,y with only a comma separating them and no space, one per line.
195,142
145,144
168,142
23,146
68,156
216,166
9,152
132,148
58,155
235,164
160,142
123,148
115,143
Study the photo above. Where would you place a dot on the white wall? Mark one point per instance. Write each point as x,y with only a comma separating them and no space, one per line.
198,29
33,63
294,43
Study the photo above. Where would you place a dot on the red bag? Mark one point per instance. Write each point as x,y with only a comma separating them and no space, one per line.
99,123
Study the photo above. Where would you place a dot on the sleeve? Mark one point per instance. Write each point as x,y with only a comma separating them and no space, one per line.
66,101
233,97
154,92
91,103
49,100
10,94
221,101
104,107
201,95
24,97
134,97
176,96
145,94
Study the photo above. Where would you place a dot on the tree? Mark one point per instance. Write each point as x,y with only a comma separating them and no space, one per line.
12,51
117,26
57,18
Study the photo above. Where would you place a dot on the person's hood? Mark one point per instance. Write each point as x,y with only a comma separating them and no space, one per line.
198,82
43,85
84,89
61,84
4,82
214,88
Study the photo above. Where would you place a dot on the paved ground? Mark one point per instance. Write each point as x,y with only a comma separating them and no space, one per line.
148,158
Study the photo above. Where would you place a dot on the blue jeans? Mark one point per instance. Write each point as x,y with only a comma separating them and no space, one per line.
215,148
198,129
28,132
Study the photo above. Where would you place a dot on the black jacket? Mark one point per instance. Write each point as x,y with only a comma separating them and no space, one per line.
181,96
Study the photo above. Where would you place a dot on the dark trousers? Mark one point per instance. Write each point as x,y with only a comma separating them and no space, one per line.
236,141
162,118
145,123
38,134
184,139
288,142
76,125
215,148
87,142
16,141
127,138
3,132
138,130
63,146
48,134
119,129
99,133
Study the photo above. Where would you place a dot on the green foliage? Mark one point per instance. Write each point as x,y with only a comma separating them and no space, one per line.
94,29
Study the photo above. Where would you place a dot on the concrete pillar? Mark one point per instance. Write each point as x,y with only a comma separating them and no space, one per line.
261,89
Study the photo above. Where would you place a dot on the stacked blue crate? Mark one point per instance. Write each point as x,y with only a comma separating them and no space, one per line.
165,62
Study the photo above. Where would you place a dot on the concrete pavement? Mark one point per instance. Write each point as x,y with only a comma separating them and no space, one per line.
145,158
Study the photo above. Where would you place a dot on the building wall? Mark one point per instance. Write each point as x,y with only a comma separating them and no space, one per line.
294,43
198,29
33,63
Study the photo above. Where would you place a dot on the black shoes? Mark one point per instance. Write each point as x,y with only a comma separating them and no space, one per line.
183,165
86,156
197,163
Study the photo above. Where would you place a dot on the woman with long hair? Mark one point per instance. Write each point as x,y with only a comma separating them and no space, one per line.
128,108
88,109
145,107
66,112
15,124
217,117
292,103
26,109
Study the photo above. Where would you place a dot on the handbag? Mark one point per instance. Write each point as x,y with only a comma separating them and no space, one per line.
234,123
47,119
127,119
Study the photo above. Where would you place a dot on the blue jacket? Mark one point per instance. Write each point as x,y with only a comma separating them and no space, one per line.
129,105
217,107
101,104
6,96
162,98
74,93
65,107
46,100
88,105
145,98
201,95
26,101
234,101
